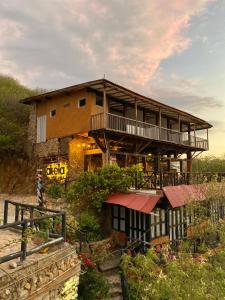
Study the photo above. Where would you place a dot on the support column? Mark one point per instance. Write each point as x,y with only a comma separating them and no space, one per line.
160,123
195,135
105,109
168,163
136,114
189,166
207,132
189,132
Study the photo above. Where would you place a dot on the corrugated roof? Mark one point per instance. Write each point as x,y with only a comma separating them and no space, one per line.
137,201
119,92
180,195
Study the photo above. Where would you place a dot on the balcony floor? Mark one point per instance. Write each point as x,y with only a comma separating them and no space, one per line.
132,140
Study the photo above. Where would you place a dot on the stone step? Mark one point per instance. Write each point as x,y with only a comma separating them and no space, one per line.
120,297
115,291
110,264
114,279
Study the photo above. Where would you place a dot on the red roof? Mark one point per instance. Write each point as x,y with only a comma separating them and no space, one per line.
138,201
182,194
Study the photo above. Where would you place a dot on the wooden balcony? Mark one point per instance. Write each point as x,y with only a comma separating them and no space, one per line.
120,124
158,180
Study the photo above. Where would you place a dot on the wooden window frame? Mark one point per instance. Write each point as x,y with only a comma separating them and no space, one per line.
119,218
154,223
52,113
79,102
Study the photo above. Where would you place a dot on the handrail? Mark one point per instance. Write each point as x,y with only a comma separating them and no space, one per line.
147,130
157,180
32,222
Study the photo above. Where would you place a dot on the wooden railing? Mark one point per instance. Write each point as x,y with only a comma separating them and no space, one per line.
24,218
130,126
157,180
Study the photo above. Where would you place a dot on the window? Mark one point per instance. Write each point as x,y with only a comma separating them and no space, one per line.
158,223
53,113
99,100
118,218
81,102
41,129
137,225
177,223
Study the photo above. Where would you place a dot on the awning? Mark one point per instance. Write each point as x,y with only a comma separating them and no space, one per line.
181,195
137,201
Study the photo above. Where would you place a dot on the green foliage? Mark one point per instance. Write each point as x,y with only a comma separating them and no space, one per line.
14,116
90,190
209,164
88,222
55,190
92,285
183,278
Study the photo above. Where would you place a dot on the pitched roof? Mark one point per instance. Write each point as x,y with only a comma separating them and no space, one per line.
137,201
121,93
181,195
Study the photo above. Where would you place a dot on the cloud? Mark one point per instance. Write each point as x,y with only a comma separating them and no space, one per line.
53,43
186,100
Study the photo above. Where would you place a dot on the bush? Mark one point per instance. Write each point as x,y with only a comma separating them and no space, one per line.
55,190
183,278
90,190
89,223
92,285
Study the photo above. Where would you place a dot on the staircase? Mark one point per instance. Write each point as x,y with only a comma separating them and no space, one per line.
110,269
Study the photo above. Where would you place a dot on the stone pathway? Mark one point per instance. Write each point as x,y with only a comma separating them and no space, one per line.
110,269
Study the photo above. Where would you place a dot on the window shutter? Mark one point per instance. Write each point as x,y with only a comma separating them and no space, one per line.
41,129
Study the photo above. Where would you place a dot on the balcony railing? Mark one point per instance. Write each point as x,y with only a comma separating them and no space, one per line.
158,180
146,130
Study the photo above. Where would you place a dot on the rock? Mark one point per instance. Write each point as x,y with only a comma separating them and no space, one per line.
7,292
13,265
27,286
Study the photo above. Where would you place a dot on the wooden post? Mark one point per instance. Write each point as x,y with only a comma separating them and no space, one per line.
195,135
207,132
189,166
189,134
64,226
24,241
6,205
179,128
104,107
136,114
160,122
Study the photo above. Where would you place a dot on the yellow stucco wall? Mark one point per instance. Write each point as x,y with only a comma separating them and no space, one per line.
69,119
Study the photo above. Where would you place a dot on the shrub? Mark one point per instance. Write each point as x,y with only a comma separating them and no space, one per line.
89,223
90,190
55,190
92,285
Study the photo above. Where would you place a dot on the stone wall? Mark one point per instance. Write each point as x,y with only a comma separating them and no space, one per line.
49,148
52,277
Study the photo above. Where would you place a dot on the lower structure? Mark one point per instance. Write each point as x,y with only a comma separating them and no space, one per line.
154,218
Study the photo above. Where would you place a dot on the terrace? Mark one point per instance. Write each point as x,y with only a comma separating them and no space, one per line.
119,124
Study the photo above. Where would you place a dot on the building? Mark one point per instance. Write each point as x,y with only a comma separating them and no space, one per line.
98,123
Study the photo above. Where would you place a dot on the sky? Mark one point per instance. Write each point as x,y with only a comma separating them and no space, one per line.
172,51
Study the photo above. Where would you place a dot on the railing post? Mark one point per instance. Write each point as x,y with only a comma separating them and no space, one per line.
64,226
6,205
17,209
24,241
160,179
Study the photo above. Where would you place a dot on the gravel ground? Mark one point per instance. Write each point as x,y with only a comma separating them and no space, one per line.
10,238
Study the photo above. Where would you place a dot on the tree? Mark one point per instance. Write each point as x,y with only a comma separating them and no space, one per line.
209,164
14,116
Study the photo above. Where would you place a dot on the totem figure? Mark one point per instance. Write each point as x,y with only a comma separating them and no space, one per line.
40,189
